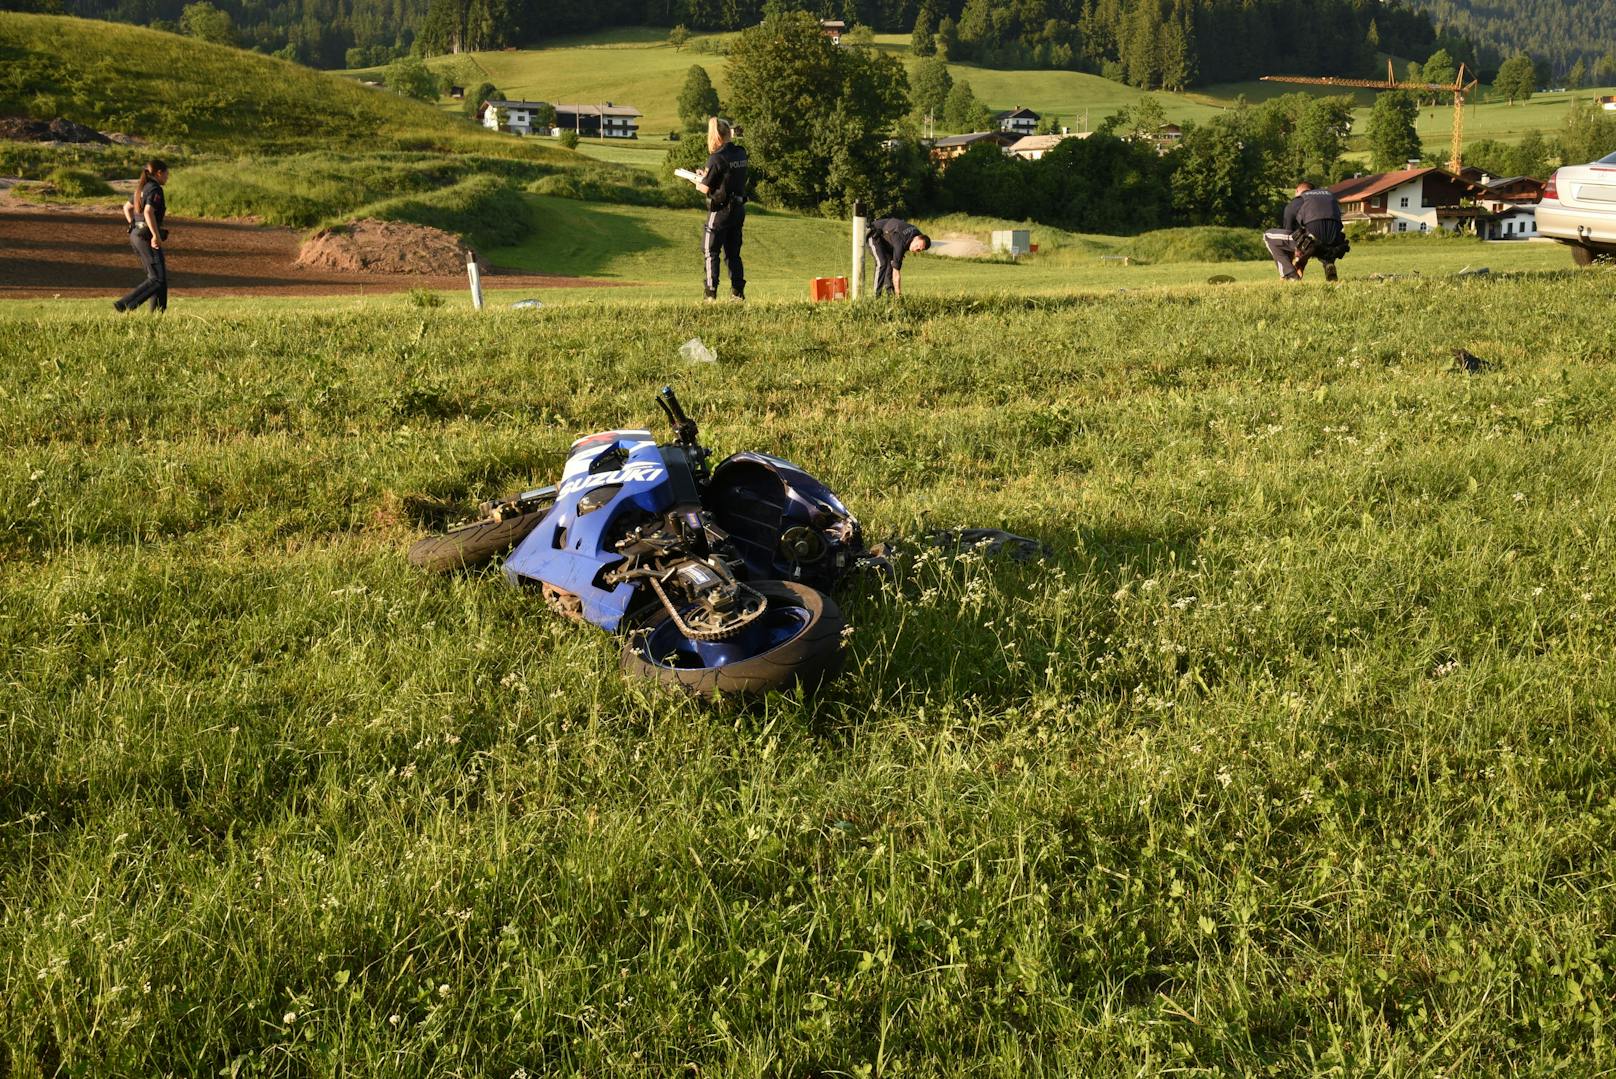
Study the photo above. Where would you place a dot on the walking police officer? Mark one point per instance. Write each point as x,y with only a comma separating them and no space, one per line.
146,236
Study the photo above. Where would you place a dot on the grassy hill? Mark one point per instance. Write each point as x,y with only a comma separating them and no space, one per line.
179,91
638,67
1293,757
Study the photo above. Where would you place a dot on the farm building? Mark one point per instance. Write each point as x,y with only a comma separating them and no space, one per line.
834,29
1033,147
1017,121
1410,200
606,121
948,148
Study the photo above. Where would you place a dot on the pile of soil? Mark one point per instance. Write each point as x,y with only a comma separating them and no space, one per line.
24,129
371,246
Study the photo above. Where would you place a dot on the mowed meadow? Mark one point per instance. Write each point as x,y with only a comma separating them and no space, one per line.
1293,757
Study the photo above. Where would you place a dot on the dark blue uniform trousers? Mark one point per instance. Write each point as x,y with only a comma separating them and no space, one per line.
155,287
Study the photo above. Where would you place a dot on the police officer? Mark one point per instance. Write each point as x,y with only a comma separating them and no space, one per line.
723,181
1311,228
146,236
890,239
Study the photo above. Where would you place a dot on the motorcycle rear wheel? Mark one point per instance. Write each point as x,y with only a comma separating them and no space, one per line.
798,640
472,546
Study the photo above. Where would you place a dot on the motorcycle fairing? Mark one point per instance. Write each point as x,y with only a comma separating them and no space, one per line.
626,472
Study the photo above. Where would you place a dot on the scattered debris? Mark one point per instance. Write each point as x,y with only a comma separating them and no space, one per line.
1473,271
1220,279
23,129
1469,362
1392,276
371,246
526,305
696,351
990,541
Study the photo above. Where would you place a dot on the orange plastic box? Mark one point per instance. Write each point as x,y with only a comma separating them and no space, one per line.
827,288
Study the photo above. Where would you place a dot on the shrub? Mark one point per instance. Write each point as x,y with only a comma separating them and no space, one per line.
627,188
569,139
1205,244
487,211
78,183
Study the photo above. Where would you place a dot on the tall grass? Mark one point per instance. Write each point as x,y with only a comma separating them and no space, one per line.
1292,759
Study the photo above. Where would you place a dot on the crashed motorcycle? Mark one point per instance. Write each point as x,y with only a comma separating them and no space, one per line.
719,576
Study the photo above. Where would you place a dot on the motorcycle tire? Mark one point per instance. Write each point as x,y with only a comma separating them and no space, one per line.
471,546
810,653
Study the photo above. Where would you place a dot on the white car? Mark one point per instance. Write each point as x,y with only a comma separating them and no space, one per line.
1579,208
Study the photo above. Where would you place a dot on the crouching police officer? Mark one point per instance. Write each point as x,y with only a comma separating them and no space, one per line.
723,181
145,214
1310,229
890,239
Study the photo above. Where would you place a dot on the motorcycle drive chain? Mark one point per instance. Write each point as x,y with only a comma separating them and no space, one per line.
722,633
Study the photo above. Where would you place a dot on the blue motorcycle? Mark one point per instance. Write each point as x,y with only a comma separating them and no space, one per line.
719,576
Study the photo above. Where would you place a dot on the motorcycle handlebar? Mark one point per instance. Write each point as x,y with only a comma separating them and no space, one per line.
684,427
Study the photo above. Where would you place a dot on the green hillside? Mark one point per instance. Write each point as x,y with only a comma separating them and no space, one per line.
174,90
637,67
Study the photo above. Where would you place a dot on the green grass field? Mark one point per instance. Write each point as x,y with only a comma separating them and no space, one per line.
1292,759
638,67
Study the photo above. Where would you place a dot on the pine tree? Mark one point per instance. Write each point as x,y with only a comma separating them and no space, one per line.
923,41
1578,77
697,99
948,45
1393,142
929,84
960,110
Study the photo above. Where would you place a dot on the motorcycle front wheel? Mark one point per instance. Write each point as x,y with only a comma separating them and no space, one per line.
472,546
798,639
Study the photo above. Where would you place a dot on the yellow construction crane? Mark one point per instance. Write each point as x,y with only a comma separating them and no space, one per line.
1459,89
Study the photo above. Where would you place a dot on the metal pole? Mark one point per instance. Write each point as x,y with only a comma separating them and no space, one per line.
476,280
854,285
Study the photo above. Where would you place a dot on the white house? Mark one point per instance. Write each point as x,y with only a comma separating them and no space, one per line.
1410,200
518,115
604,121
1016,121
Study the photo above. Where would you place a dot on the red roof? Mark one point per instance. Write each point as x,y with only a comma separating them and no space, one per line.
1360,188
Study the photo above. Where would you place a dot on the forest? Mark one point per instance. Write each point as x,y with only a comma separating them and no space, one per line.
1153,44
1560,32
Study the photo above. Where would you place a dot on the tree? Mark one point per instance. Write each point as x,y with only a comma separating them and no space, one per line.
1531,156
815,115
409,76
1441,68
929,85
961,110
203,20
1321,134
1393,142
678,37
486,91
1605,71
1222,176
948,43
1588,135
923,41
1578,76
697,100
1517,78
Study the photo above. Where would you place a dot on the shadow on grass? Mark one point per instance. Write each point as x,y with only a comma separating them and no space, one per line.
579,239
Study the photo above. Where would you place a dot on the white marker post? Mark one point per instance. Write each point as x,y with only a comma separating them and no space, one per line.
476,280
857,280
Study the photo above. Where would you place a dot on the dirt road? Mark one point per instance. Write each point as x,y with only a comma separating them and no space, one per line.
49,252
